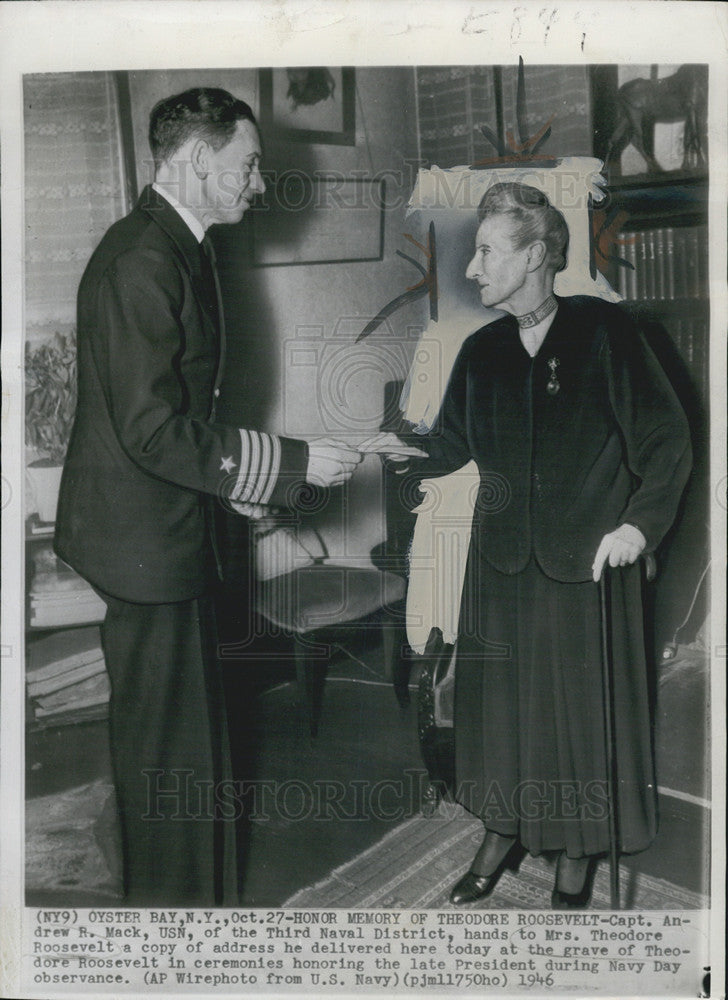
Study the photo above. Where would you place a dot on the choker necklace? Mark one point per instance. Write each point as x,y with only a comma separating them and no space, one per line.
534,318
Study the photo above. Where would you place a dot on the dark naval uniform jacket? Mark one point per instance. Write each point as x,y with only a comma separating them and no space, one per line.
607,444
146,455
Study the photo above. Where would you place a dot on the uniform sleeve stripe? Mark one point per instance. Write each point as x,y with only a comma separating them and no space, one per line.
254,467
275,467
260,461
258,485
244,464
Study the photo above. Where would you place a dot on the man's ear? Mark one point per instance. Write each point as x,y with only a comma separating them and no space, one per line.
199,158
536,255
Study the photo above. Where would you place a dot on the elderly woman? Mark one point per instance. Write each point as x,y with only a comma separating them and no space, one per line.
583,452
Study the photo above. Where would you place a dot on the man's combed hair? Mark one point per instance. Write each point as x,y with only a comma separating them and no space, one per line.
203,112
534,216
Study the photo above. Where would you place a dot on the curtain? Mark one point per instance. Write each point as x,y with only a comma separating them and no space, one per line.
453,101
73,189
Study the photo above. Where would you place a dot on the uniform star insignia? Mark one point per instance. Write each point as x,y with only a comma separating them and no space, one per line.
227,464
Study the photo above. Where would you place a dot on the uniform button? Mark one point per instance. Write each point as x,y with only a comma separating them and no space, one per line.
217,393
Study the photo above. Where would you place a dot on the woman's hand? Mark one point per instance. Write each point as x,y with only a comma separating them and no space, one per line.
621,547
390,448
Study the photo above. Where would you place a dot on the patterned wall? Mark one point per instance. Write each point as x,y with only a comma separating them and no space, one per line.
73,189
452,101
560,91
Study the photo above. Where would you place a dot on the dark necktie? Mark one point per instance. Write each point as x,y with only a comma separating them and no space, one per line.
207,266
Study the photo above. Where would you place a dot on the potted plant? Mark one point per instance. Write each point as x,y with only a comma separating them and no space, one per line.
50,405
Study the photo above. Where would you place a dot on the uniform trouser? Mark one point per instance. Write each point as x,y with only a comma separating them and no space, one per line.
170,755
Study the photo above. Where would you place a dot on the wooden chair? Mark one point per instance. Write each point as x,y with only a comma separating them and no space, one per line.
315,602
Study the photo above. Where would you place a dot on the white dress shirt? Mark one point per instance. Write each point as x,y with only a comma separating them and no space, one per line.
194,224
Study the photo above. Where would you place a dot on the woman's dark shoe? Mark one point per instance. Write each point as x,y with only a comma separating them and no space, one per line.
573,872
570,900
472,887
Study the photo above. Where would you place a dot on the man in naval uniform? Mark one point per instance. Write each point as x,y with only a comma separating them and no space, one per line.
146,464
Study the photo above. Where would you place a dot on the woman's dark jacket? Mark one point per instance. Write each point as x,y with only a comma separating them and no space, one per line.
559,470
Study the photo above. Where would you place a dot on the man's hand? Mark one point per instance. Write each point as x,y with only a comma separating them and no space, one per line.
621,547
255,511
330,462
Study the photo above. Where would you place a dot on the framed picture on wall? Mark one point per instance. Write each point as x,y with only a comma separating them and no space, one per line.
306,104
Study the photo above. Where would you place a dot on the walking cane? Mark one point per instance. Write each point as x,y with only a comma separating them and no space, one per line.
610,739
610,735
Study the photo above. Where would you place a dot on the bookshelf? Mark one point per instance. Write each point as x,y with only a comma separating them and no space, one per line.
664,235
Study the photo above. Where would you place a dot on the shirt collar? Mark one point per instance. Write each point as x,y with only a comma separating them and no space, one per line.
194,224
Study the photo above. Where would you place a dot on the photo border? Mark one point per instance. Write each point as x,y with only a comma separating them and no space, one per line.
101,36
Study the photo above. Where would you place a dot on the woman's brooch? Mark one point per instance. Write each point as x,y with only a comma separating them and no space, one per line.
553,385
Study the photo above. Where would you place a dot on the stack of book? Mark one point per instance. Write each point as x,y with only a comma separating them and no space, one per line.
58,595
66,676
666,263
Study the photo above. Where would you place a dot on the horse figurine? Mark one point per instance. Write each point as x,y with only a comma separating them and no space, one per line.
642,103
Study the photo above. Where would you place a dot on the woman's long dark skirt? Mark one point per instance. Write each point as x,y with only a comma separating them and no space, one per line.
529,718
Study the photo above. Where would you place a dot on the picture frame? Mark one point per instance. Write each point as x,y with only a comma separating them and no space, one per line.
310,220
309,104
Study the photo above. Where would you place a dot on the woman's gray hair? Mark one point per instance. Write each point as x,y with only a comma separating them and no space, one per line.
534,216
